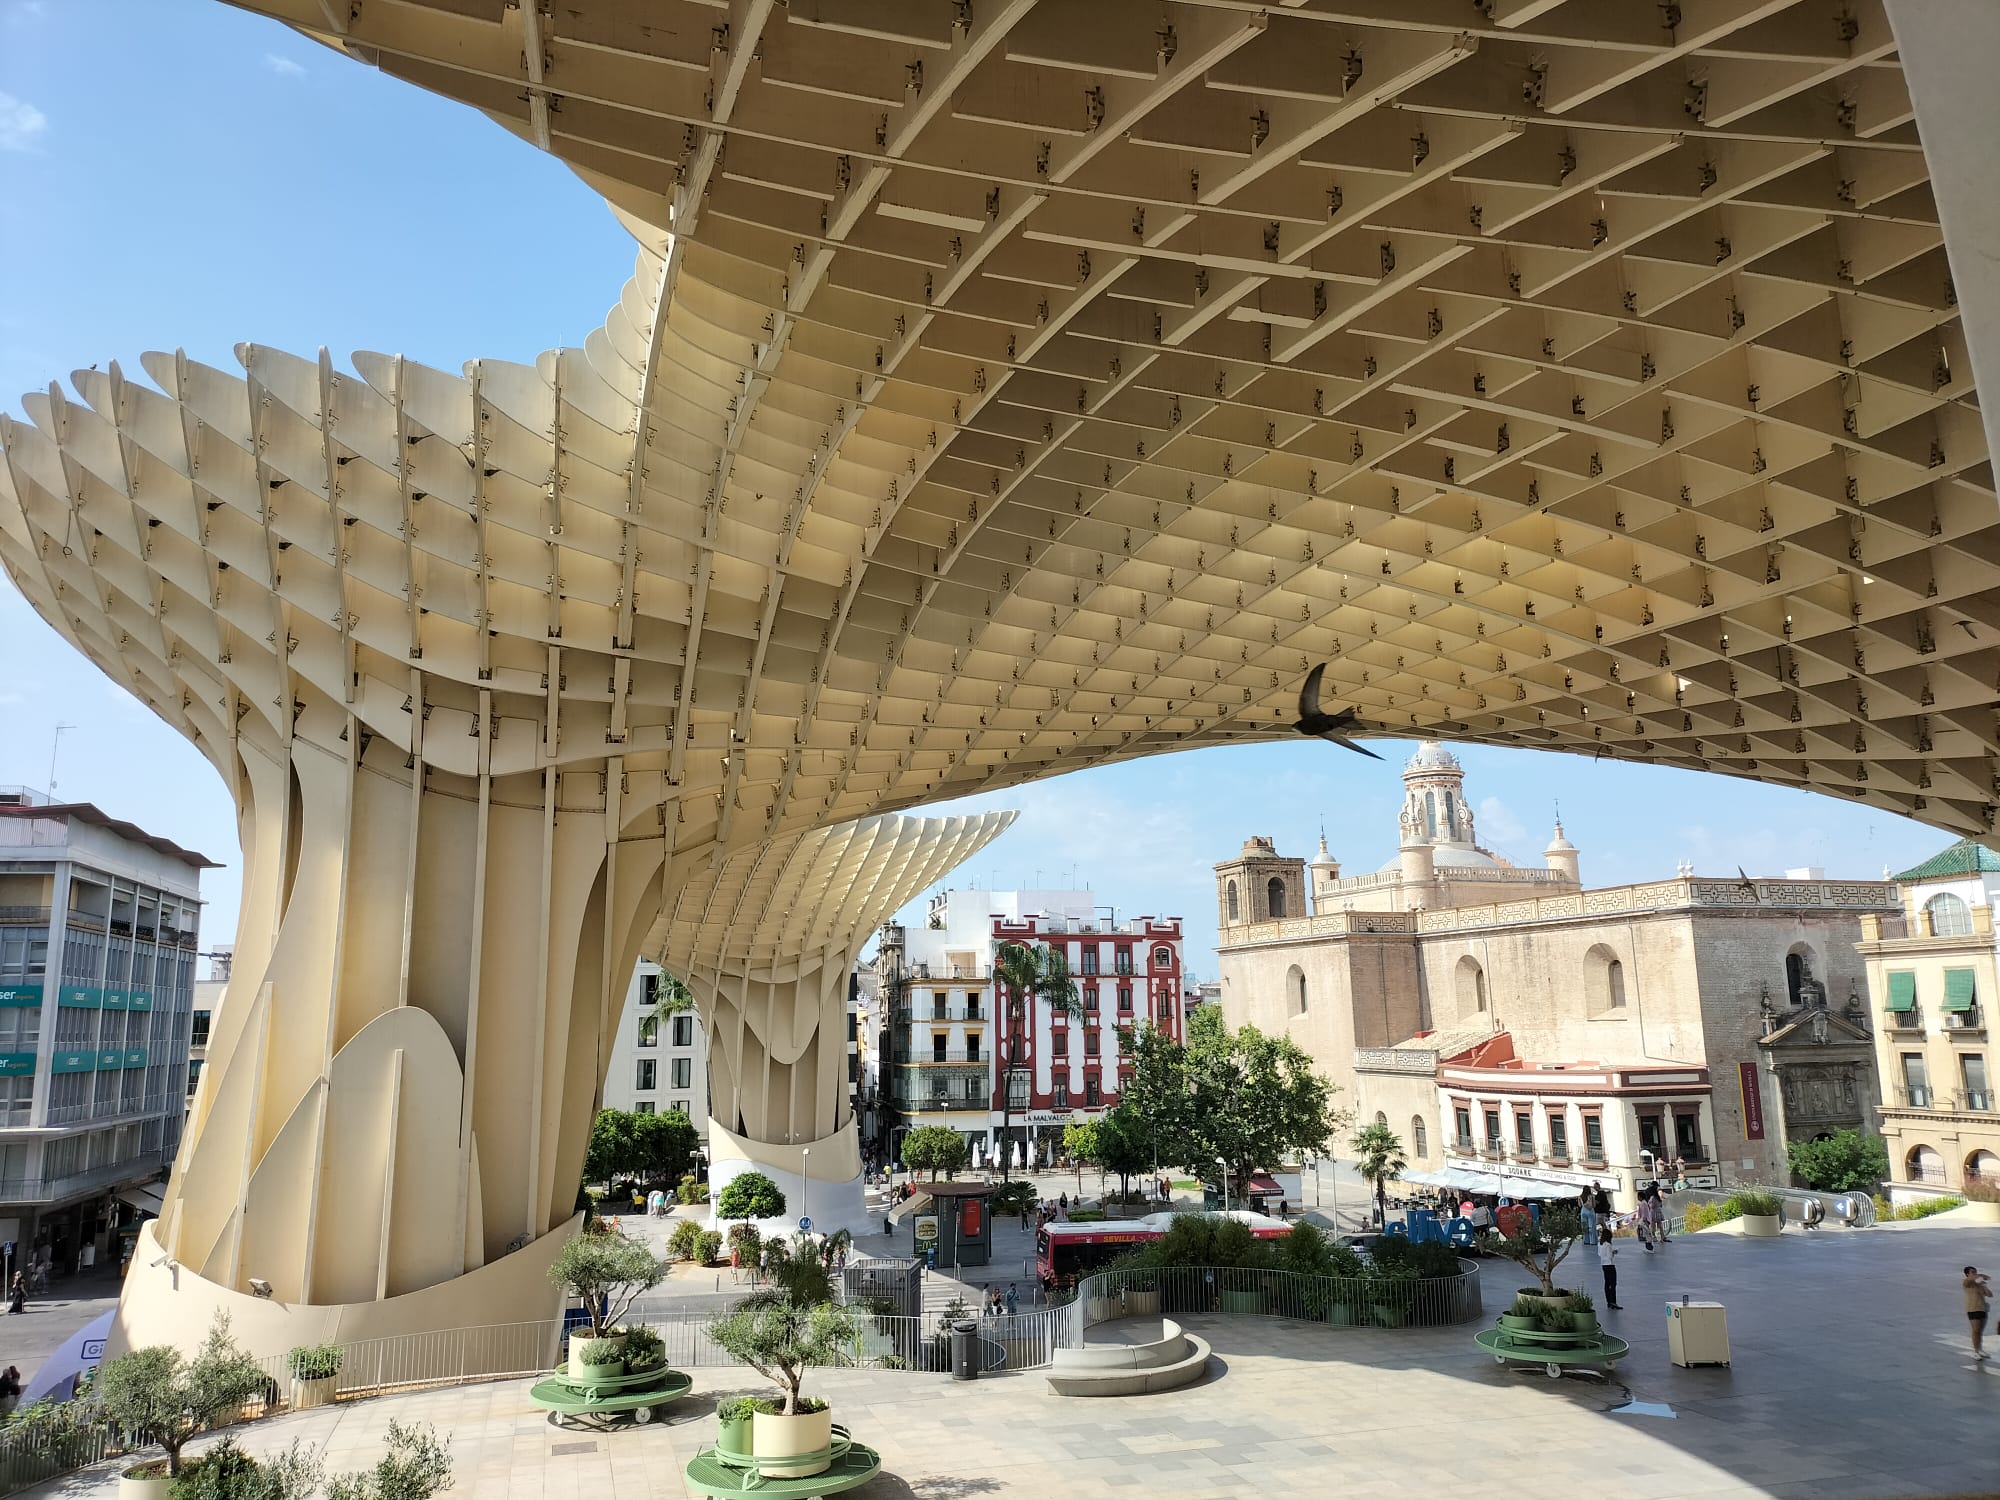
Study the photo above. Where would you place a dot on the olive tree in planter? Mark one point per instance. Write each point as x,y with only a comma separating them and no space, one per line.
608,1272
315,1372
781,1338
158,1396
1539,1244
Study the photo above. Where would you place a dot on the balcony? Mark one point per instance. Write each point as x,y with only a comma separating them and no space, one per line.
1524,1151
1965,1025
919,1102
32,916
1915,1096
1463,1145
1976,1101
959,1055
1593,1156
52,1189
1907,1022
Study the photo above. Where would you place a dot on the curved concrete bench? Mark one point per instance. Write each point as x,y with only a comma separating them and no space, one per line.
1175,1359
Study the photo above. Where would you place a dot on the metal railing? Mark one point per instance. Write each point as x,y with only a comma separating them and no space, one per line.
1979,1101
29,1458
25,913
1343,1302
43,1189
1914,1096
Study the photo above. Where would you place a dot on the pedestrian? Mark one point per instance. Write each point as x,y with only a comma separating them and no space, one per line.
1588,1213
1600,1200
1063,1204
1284,1209
89,1260
10,1389
1024,1213
1978,1296
1013,1300
1607,1260
19,1301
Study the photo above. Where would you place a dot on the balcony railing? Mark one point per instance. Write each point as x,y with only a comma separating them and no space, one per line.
1976,1101
949,1055
920,1103
1966,1025
1903,1020
31,915
48,1189
1916,1096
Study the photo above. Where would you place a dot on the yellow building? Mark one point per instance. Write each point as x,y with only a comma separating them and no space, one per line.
1931,975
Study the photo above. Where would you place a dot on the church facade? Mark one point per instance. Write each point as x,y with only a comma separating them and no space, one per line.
1504,1009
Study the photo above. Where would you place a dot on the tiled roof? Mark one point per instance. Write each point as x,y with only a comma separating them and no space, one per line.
1962,858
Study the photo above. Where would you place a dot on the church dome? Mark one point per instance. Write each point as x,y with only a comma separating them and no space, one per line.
1454,857
1432,756
1560,843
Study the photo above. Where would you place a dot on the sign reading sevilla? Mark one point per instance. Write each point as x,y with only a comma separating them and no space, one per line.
1753,1101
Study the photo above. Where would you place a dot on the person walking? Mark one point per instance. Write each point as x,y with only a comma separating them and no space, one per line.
1607,1261
1013,1300
1978,1297
18,1301
10,1389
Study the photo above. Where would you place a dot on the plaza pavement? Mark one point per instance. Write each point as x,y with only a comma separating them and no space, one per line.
1851,1379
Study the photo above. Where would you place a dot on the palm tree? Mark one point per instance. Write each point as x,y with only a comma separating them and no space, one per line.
1381,1153
1021,970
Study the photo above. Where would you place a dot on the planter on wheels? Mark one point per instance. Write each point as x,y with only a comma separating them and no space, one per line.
1762,1226
139,1483
780,1437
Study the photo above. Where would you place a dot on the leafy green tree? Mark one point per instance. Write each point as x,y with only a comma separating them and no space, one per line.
781,1339
1124,1145
1845,1162
663,1145
750,1195
1023,971
1080,1141
607,1272
1539,1242
1243,1097
1380,1151
610,1145
801,1267
159,1396
934,1150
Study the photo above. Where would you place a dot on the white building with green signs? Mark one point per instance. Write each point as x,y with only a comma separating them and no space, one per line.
98,939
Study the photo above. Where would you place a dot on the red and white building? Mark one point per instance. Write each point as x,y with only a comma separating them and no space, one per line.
1073,1067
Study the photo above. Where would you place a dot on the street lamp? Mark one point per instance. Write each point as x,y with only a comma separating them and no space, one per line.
805,1186
1225,1182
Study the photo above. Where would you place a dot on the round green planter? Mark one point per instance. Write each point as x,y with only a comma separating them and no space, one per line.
1516,1325
734,1437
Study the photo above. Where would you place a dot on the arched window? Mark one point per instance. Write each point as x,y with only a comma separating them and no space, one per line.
1235,909
1431,812
1274,897
1419,1139
1794,972
1470,982
1381,1119
1983,1166
1163,958
1924,1165
1950,917
1295,991
1604,981
1450,816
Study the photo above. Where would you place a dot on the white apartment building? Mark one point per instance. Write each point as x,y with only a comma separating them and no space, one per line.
659,1057
98,924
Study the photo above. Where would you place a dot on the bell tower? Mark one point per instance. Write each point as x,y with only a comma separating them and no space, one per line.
1259,885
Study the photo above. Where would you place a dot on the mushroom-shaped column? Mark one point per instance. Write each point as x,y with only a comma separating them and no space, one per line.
766,939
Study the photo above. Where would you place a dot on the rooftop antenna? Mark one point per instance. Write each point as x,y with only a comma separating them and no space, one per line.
54,748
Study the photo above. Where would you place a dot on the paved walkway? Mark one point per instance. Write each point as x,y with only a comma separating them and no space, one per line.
1851,1380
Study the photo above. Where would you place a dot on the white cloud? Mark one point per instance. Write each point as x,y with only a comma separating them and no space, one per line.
21,124
284,67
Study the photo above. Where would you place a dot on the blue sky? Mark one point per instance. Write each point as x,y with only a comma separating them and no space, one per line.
178,174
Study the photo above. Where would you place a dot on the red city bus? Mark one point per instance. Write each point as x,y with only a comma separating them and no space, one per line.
1063,1252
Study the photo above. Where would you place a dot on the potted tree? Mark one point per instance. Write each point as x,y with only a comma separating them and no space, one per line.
781,1337
315,1372
1539,1245
160,1397
607,1272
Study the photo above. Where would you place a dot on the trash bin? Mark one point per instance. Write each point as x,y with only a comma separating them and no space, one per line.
965,1350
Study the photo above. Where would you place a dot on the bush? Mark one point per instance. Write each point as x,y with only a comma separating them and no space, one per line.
1204,1240
750,1195
315,1361
738,1407
1923,1208
645,1350
414,1466
1707,1215
708,1250
685,1241
1087,1216
1426,1258
596,1353
1977,1191
743,1236
226,1472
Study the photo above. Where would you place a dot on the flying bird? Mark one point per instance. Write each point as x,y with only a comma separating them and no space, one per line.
1333,728
1747,884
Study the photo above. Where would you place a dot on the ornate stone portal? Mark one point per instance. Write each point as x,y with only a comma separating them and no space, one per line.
1029,391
